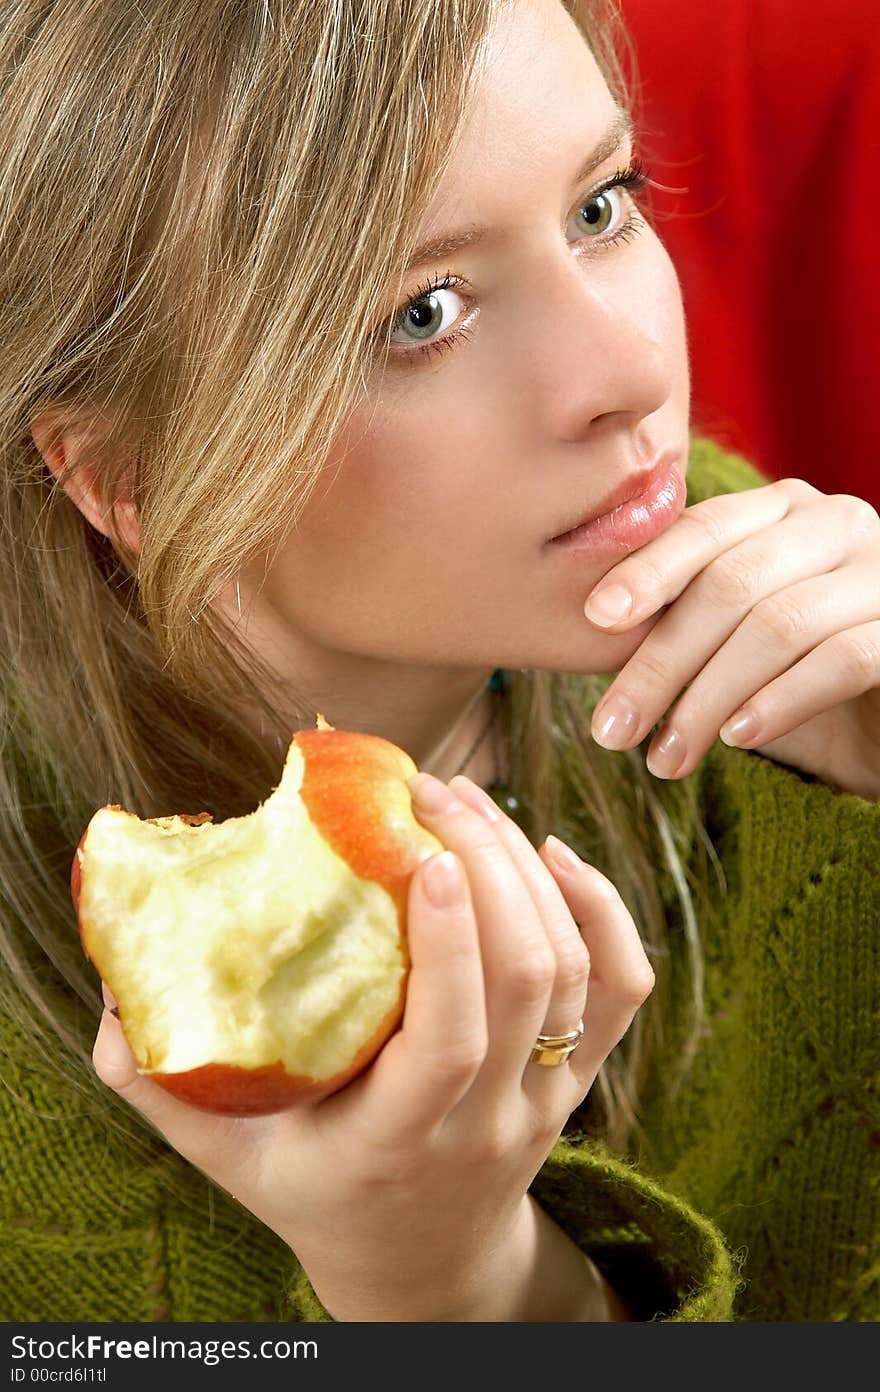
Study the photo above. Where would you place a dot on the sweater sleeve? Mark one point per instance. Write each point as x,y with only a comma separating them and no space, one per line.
713,470
775,1131
666,1261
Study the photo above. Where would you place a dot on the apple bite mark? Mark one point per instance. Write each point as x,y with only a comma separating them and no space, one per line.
262,960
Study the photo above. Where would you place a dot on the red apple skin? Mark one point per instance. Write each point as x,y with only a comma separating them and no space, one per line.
234,1091
76,881
350,781
347,787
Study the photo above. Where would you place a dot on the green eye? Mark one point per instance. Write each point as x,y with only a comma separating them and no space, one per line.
598,211
423,318
418,323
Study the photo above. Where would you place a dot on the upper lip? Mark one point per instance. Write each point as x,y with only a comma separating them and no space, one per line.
629,488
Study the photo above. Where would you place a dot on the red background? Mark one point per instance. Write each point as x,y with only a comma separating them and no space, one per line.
764,115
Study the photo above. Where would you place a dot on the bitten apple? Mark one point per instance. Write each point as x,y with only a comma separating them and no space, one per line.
261,960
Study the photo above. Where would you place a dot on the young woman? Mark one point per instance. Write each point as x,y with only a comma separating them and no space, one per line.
324,327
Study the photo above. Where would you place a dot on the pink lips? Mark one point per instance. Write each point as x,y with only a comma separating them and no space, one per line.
637,522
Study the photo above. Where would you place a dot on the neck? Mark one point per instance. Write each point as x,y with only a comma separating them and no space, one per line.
437,714
484,759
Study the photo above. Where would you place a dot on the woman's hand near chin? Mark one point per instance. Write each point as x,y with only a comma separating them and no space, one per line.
769,604
405,1195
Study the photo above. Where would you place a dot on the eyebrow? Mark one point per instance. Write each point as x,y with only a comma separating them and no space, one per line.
434,249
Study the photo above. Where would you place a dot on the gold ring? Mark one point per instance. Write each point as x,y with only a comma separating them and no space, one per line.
553,1049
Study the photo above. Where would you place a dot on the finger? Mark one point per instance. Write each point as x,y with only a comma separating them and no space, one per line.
711,608
196,1135
621,977
569,993
656,574
519,964
837,670
770,641
425,1068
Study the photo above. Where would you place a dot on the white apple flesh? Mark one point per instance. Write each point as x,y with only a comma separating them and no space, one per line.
262,960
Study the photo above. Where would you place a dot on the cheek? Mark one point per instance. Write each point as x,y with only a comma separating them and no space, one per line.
390,527
390,566
662,289
394,494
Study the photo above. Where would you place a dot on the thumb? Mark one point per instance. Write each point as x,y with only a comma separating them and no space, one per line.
193,1133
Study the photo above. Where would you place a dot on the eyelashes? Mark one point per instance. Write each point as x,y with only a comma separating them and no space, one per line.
437,345
631,180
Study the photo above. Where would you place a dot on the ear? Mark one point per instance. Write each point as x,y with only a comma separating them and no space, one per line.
75,444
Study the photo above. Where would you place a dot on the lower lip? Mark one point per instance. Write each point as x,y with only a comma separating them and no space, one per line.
635,523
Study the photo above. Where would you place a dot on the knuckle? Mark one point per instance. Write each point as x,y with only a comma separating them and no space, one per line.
864,519
731,580
652,576
797,490
706,518
492,854
546,1123
639,985
859,653
573,961
461,1058
530,978
782,619
653,664
494,1143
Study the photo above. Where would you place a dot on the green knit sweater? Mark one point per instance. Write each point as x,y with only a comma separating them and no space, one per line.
755,1197
777,1133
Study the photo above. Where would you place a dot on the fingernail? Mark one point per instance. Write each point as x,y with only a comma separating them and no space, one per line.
666,758
563,856
617,724
608,605
430,794
475,797
740,729
443,880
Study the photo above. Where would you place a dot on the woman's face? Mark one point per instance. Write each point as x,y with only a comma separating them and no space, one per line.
427,539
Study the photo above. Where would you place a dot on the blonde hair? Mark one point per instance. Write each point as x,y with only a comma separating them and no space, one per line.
178,276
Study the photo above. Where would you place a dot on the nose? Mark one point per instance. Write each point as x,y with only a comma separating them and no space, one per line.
601,349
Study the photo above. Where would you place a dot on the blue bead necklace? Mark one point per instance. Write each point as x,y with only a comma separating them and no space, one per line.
499,682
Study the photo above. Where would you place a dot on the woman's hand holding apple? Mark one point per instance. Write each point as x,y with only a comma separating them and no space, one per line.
404,1194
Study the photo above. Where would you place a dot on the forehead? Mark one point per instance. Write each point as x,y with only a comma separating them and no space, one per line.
539,103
